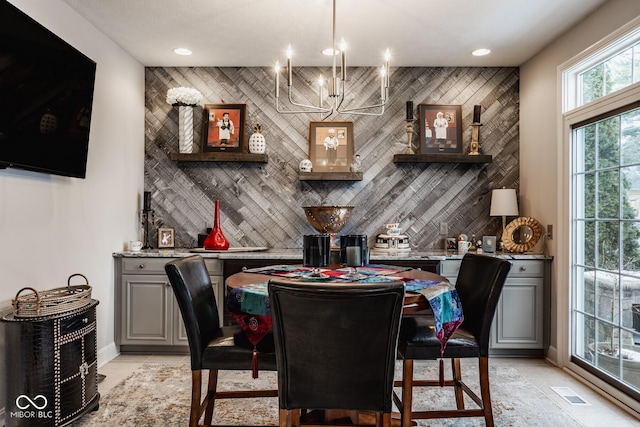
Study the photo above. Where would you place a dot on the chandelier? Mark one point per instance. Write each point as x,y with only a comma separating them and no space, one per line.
336,85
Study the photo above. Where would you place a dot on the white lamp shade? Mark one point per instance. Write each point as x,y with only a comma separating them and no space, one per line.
504,202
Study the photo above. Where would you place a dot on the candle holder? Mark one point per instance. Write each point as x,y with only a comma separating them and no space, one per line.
353,254
409,137
409,128
316,252
474,147
148,218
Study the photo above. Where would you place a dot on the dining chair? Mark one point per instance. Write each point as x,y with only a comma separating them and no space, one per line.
212,347
335,347
479,284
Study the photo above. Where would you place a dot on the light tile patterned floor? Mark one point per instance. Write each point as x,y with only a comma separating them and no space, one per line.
543,375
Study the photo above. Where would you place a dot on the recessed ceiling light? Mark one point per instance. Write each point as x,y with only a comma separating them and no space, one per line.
330,51
481,52
182,51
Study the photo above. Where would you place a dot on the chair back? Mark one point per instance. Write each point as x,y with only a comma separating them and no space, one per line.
336,343
479,284
192,288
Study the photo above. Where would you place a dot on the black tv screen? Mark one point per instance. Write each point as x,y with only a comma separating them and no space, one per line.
46,95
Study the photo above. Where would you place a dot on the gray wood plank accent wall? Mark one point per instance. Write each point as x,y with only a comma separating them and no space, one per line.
261,203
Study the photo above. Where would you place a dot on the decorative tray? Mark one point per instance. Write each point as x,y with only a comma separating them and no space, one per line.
238,249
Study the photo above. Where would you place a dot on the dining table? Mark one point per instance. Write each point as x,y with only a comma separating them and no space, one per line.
247,296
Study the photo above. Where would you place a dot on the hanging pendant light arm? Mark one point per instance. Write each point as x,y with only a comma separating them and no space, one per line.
336,85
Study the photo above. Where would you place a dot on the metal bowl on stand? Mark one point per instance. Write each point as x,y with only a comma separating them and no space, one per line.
328,219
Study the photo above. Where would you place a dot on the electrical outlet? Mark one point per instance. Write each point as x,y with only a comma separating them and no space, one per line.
550,232
444,228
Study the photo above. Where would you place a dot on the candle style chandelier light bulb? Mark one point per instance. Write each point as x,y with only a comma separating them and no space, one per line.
336,85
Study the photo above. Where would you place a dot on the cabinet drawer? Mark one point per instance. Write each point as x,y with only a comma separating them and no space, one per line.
77,322
144,265
139,265
450,268
520,268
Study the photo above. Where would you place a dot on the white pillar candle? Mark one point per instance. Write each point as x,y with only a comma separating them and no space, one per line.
354,256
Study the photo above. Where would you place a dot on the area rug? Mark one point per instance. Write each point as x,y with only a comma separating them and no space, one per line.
159,394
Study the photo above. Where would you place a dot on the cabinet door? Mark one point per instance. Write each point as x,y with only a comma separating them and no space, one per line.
147,307
518,319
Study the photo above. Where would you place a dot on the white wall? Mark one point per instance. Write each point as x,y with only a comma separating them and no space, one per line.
52,226
540,147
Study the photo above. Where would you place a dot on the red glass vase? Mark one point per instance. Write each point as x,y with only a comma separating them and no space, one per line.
216,241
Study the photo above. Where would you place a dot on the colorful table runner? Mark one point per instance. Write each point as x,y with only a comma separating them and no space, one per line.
445,303
249,305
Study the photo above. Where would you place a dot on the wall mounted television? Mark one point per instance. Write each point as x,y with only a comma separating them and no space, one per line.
46,95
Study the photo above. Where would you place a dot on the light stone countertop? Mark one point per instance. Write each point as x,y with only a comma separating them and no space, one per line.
276,253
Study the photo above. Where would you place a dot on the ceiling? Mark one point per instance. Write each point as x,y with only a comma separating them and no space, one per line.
257,32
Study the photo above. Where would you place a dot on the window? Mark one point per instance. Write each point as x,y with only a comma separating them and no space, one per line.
601,93
611,75
606,236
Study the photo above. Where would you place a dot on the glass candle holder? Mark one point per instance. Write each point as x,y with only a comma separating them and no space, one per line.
316,251
354,253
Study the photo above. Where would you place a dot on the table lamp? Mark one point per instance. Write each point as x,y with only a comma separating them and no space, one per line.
504,203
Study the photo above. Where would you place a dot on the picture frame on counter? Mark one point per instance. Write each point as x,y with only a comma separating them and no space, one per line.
440,129
166,238
223,128
331,146
488,244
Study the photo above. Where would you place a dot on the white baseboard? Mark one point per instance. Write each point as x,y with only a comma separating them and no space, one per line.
552,355
107,354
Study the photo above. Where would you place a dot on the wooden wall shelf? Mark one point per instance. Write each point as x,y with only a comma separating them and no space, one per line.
441,158
330,176
220,157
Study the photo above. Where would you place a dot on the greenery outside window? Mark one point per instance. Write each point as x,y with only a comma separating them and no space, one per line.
602,116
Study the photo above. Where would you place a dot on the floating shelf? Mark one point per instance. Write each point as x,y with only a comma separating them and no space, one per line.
441,158
219,157
330,176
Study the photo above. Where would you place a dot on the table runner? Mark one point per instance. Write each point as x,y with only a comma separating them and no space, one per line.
249,304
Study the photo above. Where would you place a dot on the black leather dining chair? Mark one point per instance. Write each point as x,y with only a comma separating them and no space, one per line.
479,284
211,346
335,346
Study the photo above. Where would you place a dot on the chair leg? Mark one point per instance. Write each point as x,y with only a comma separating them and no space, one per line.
285,418
386,419
295,418
196,385
407,392
210,399
457,379
483,366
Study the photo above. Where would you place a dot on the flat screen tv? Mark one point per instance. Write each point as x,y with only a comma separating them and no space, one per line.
46,95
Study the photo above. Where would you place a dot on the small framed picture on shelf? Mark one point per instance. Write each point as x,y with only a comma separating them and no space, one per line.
440,129
223,127
331,146
165,238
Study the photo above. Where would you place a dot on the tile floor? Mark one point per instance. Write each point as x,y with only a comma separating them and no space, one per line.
543,375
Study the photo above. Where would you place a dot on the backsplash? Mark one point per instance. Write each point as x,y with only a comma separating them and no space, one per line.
261,203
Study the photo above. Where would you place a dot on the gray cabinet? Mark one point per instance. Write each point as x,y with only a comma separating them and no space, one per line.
147,314
520,323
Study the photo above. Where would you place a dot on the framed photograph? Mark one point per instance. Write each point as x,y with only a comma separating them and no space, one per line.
489,244
223,127
440,129
165,238
331,146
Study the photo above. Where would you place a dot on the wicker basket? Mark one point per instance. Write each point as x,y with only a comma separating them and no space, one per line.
52,301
